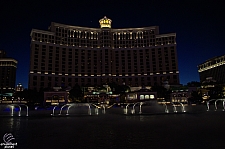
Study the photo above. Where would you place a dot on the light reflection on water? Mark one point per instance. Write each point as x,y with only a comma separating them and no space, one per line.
116,131
14,123
141,118
16,126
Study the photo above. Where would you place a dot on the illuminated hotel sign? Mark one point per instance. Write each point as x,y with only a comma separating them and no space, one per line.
105,22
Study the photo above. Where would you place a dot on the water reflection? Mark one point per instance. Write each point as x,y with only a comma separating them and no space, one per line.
116,131
16,126
141,118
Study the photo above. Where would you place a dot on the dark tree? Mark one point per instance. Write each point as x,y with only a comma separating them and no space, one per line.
161,91
76,92
216,92
118,89
193,84
196,97
32,96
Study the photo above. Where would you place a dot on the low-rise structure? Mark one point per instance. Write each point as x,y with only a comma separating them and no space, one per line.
141,95
56,97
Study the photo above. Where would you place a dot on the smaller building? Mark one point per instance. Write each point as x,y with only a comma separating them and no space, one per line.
19,87
210,89
182,94
12,100
141,95
56,97
104,94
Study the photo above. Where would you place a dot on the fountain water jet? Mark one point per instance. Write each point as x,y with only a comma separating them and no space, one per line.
174,107
140,111
20,109
133,110
166,109
86,104
216,104
96,111
53,110
207,104
126,110
182,107
62,108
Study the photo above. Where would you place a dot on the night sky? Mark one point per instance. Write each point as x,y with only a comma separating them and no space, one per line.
199,26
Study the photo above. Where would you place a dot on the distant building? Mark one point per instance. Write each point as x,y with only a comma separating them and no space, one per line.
56,97
65,55
7,74
213,68
141,95
19,87
210,88
101,95
180,95
2,54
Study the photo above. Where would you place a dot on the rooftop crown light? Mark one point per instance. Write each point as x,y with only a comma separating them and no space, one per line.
105,22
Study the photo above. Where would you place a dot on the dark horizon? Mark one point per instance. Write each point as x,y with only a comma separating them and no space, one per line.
199,26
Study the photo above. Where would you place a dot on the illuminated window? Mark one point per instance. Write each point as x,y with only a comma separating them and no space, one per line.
146,96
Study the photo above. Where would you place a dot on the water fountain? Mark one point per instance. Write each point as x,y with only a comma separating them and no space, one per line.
26,107
223,100
53,110
133,110
141,103
96,111
103,110
166,109
182,107
126,108
102,106
20,109
133,107
174,107
208,102
19,114
71,105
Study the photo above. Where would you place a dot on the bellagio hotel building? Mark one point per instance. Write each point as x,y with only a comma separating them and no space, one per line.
65,55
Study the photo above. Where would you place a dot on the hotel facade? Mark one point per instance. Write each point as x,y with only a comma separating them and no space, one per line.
8,68
65,55
213,69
